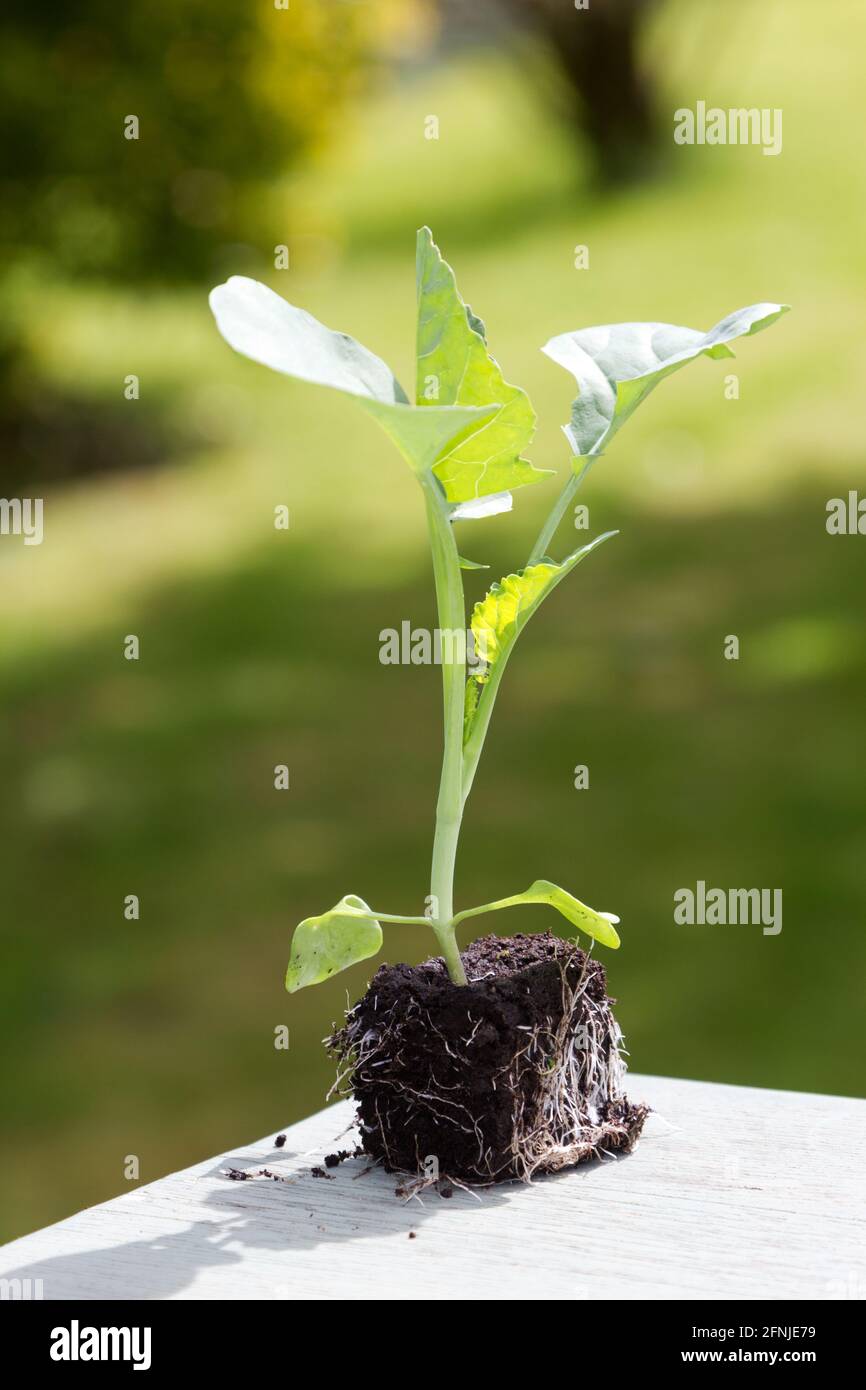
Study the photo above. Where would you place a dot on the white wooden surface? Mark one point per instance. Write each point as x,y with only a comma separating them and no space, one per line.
732,1193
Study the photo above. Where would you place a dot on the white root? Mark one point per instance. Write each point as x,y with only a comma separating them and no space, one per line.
578,1071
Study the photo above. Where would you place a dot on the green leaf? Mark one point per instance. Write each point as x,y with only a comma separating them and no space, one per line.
475,323
261,325
322,946
452,354
598,925
471,564
499,618
616,365
421,435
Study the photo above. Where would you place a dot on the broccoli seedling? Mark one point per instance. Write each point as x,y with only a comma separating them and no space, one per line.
464,438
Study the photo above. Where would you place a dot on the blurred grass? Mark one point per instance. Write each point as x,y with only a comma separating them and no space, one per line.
259,647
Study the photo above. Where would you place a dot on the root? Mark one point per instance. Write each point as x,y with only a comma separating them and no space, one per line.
579,1073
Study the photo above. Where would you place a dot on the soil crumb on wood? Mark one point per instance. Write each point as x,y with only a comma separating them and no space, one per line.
332,1160
517,1073
247,1175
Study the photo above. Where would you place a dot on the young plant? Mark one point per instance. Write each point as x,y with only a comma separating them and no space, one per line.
464,438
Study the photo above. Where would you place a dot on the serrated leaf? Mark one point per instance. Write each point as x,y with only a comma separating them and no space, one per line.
452,351
476,324
322,946
499,618
421,435
616,365
261,325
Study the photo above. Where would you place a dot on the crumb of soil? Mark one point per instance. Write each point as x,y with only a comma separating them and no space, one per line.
318,1172
279,1141
332,1160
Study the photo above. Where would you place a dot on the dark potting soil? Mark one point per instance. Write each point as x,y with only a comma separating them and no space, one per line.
517,1072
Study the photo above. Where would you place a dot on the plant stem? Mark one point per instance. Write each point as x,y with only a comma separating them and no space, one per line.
449,807
549,529
459,765
515,901
481,722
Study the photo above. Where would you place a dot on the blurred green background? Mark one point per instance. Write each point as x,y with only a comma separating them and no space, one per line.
305,127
